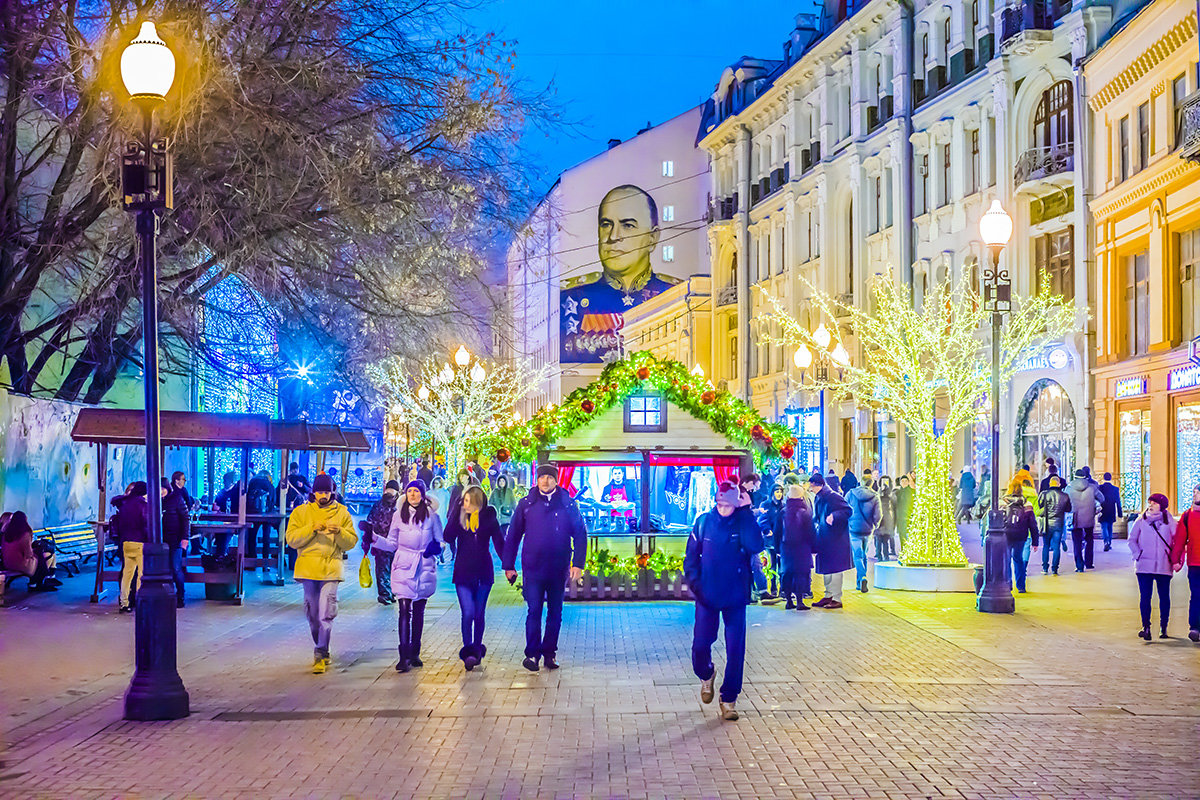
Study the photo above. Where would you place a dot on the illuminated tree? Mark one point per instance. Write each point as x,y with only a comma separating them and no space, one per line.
918,364
454,402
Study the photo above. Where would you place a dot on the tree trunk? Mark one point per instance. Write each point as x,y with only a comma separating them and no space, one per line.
932,536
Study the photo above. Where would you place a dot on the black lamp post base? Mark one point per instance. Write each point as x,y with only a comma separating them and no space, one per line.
156,691
996,596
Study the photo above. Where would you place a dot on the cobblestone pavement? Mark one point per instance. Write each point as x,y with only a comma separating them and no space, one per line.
898,695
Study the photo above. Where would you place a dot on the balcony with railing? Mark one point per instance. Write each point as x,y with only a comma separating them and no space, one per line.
727,295
1040,163
1026,26
1187,135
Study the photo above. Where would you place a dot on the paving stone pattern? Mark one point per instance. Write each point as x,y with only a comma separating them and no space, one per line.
898,695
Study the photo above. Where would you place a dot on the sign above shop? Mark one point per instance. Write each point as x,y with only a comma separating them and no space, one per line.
1194,351
1055,357
1131,387
1184,378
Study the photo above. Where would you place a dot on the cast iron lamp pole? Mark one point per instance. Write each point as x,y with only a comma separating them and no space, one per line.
156,691
996,596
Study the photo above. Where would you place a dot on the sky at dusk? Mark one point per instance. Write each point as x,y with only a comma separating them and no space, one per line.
619,64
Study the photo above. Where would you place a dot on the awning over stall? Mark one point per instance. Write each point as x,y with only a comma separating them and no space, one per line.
127,426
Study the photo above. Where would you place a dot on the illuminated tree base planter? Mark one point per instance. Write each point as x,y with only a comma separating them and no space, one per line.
643,586
901,577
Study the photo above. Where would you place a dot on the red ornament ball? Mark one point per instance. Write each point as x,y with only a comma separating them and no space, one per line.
708,397
502,455
757,431
643,373
588,406
526,443
786,451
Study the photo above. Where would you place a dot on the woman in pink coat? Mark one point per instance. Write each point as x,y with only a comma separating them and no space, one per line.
1150,543
416,538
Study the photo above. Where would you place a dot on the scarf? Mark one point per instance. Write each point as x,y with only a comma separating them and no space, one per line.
473,521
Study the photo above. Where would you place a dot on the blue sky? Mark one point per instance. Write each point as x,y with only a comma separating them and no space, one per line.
619,64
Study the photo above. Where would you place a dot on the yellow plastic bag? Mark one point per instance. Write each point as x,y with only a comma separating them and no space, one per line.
364,572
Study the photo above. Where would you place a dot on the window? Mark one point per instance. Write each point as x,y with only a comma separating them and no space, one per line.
923,183
973,172
1054,260
946,42
668,252
1143,123
644,413
668,214
1189,278
1053,122
1137,303
668,169
878,221
1123,147
1178,93
945,175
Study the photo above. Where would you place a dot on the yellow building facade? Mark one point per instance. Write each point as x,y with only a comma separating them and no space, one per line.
1146,213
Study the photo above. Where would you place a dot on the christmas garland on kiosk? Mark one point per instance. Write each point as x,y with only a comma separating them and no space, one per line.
725,414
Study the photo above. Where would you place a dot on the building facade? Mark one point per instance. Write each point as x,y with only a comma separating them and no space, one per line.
1146,212
622,229
872,147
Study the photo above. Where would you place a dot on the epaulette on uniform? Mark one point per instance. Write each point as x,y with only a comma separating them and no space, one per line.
580,280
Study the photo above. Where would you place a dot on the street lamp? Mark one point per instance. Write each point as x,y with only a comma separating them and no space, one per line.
156,691
462,356
995,227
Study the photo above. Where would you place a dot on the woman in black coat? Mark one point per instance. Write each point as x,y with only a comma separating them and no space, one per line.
475,529
795,534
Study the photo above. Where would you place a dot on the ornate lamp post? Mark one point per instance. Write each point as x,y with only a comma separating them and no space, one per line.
156,691
995,226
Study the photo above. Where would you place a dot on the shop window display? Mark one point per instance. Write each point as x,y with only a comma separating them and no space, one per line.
1187,451
610,497
1135,458
1046,426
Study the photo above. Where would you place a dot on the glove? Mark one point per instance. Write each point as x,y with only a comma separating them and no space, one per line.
434,548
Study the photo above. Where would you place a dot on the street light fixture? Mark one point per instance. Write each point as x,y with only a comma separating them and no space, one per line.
462,356
840,356
156,691
803,358
478,373
995,227
821,336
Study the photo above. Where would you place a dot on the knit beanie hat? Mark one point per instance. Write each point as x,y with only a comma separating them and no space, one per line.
816,480
417,484
548,469
791,479
394,485
322,483
1161,499
729,494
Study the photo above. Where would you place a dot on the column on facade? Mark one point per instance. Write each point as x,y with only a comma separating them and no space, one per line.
858,93
827,106
743,167
1161,334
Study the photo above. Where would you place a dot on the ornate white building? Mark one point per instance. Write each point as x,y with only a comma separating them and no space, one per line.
873,146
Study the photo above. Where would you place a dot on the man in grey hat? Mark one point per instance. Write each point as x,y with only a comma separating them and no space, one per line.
555,547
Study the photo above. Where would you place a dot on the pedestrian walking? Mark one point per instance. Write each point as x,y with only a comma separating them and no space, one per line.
905,495
132,528
770,516
1185,549
832,544
177,508
833,481
1054,505
425,473
1049,470
885,534
415,538
502,500
1020,528
476,530
1086,505
796,534
966,494
549,524
1110,509
1151,543
865,516
375,542
320,531
717,567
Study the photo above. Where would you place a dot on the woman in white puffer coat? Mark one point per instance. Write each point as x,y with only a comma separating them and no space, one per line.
416,537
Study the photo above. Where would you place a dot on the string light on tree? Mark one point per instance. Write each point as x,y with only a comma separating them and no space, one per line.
923,366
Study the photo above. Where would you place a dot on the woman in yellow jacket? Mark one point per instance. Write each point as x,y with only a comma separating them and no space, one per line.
320,531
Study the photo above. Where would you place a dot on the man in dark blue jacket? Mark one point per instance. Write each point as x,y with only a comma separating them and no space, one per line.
832,547
555,544
1110,509
717,569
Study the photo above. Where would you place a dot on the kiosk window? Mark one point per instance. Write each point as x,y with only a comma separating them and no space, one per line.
645,413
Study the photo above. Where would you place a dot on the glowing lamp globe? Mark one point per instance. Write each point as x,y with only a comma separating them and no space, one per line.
147,65
821,336
995,226
839,355
478,373
462,356
803,358
423,393
698,371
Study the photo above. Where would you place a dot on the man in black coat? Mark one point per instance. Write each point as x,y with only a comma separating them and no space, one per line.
1110,509
555,548
177,507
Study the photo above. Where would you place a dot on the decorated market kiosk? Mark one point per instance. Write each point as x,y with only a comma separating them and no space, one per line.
642,450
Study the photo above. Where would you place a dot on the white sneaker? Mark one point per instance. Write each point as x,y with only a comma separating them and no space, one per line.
728,711
706,690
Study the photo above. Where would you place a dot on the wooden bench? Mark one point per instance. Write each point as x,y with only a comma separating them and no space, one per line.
74,544
7,578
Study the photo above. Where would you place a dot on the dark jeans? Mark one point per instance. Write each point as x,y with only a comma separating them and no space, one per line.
796,582
1016,554
177,570
1082,541
472,599
1146,583
885,548
383,574
252,538
540,592
1194,599
411,624
1106,533
705,634
1052,546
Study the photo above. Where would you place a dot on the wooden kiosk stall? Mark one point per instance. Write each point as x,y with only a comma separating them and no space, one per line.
642,450
244,432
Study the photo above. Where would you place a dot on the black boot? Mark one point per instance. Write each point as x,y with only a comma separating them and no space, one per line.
405,634
418,625
470,657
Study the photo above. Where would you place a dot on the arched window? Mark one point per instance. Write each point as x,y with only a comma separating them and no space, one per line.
1046,427
1053,125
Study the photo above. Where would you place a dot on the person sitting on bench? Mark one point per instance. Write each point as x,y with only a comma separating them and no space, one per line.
22,554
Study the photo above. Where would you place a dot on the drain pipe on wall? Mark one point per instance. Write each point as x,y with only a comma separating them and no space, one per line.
907,236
